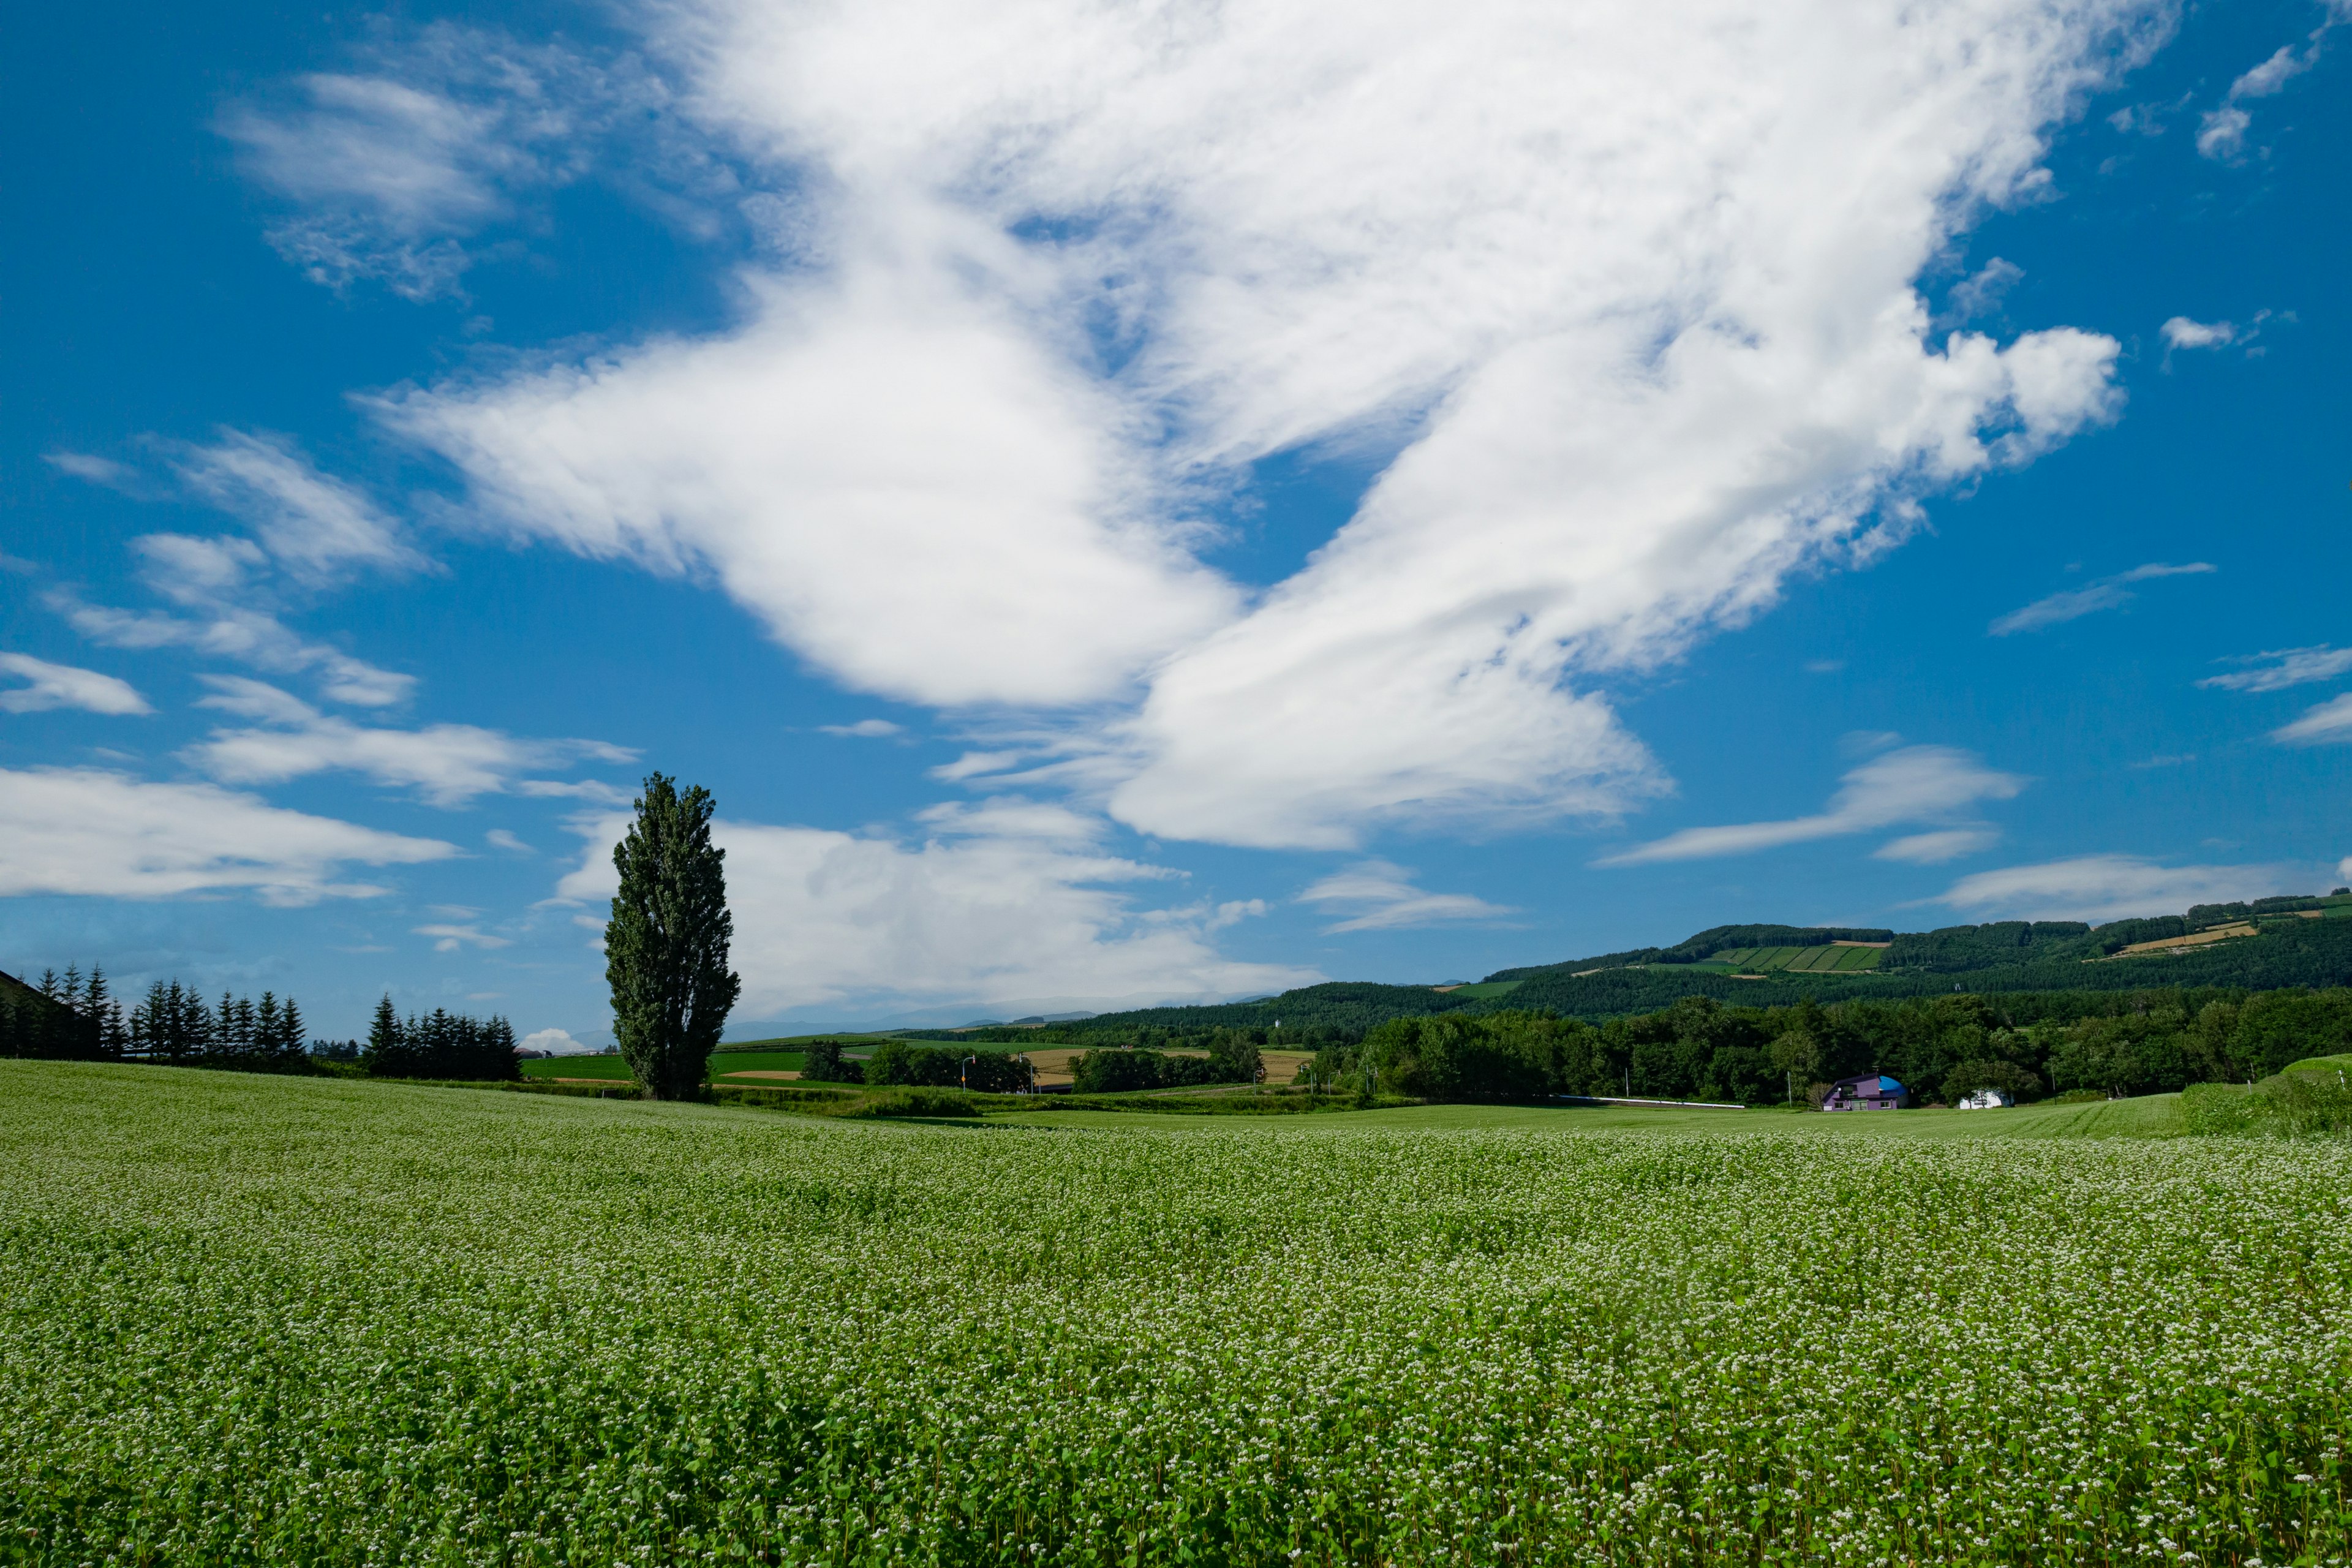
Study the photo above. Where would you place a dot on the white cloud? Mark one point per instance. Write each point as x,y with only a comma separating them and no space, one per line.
1936,848
500,838
2273,74
555,1043
233,618
2181,332
2330,723
1980,293
2221,133
65,686
1004,901
2112,887
96,470
2275,670
1917,784
84,831
593,790
898,482
447,764
1384,899
2106,594
872,728
317,528
450,937
390,167
1640,311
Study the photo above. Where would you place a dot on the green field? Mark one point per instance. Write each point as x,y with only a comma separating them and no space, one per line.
251,1320
616,1070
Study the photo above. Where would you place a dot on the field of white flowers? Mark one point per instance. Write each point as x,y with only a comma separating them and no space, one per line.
247,1320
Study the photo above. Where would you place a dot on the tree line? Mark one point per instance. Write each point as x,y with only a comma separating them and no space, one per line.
902,1064
77,1018
439,1044
1940,1047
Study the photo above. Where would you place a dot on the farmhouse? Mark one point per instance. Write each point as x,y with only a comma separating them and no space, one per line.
1874,1091
1986,1100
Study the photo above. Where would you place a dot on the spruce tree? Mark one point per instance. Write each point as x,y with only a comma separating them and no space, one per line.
665,947
386,1054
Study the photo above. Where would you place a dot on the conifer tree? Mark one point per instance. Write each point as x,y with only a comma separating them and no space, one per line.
387,1055
665,947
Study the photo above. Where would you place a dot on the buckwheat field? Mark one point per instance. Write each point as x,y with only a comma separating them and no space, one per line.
255,1320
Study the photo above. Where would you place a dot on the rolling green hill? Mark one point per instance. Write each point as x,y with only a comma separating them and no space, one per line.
2301,940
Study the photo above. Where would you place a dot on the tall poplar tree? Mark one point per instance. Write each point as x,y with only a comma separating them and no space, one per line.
665,947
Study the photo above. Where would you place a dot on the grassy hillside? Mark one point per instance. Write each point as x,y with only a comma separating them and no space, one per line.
255,1320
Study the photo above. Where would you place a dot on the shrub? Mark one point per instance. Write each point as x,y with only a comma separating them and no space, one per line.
2286,1105
919,1101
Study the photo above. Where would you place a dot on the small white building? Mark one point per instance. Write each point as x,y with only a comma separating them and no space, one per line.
1986,1100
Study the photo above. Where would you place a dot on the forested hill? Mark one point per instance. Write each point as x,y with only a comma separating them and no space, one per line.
2260,946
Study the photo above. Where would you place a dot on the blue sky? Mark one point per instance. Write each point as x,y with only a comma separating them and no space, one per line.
1123,508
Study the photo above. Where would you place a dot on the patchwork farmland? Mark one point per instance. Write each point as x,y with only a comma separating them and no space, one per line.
1840,958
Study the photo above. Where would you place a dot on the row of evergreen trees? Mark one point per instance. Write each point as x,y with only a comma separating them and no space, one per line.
77,1018
174,1024
63,1018
440,1045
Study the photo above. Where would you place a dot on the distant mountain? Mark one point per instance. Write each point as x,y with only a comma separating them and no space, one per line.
2259,946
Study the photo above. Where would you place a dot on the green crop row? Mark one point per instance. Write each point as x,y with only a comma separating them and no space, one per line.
249,1321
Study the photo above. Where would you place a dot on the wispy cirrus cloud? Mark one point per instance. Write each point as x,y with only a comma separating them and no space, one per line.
1383,897
2112,887
316,527
310,532
2106,594
1914,784
51,686
450,937
393,171
447,764
2275,670
2328,724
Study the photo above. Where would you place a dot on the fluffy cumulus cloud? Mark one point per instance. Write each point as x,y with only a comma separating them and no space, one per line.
2181,332
2112,887
2106,594
1914,784
1005,900
446,765
85,831
50,685
555,1043
1377,896
1635,321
